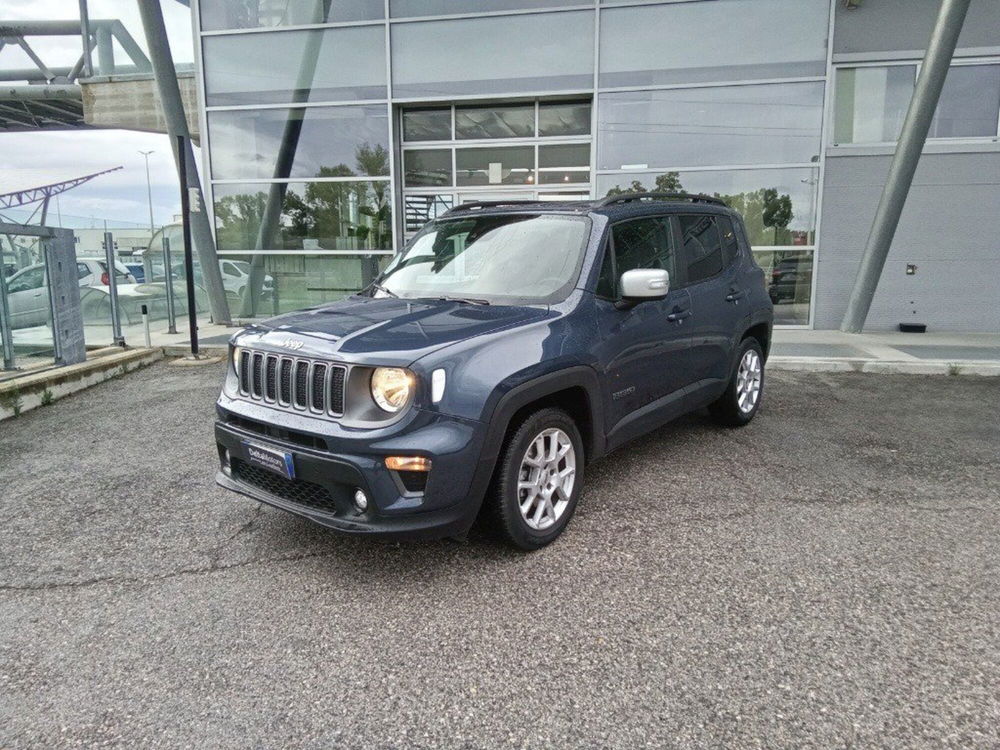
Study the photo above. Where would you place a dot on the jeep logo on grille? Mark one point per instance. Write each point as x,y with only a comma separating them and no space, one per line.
293,344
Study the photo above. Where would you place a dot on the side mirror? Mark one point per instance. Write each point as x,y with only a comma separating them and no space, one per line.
642,284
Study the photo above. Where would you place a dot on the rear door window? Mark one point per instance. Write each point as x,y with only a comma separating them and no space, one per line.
701,246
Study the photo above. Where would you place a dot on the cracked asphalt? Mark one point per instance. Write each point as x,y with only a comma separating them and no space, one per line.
826,577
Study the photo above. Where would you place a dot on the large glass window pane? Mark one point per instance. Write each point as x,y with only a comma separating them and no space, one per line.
563,118
293,282
714,41
778,205
251,14
427,167
295,66
513,165
969,104
320,141
312,216
789,283
872,102
495,121
762,124
494,55
564,163
410,8
427,124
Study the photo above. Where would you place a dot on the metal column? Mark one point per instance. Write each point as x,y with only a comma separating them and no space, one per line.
169,284
6,335
904,164
116,321
173,112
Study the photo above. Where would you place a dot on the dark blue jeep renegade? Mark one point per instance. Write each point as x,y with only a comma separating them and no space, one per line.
508,346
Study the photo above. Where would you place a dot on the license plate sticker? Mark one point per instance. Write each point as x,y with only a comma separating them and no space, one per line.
277,461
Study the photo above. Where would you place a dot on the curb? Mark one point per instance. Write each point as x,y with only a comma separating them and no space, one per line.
989,368
23,394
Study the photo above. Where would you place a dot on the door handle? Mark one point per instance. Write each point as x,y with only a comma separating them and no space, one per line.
679,315
735,295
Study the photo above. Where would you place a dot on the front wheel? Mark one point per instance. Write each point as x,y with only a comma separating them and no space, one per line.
538,479
738,405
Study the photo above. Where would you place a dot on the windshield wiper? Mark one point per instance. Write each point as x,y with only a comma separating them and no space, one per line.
467,300
376,285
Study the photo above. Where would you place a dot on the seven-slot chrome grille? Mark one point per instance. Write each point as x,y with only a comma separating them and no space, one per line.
293,383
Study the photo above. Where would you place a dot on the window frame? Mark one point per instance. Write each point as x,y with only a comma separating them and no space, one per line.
917,64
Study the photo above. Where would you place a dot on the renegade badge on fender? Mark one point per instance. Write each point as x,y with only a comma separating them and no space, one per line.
507,347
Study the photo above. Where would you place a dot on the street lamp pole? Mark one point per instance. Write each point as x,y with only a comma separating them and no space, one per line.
149,193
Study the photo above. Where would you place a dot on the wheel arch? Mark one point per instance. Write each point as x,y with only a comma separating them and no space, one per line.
576,390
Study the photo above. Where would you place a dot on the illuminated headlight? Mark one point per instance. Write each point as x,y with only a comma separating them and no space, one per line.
391,387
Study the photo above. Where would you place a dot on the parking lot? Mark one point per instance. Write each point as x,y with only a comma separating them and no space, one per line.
828,576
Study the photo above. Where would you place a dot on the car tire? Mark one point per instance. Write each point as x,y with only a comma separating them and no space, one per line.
741,401
546,451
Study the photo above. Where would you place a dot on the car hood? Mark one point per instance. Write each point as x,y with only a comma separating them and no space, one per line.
398,331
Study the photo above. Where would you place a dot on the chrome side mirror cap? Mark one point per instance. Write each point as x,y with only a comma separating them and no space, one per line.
645,283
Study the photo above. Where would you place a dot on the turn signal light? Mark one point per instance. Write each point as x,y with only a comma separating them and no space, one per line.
408,463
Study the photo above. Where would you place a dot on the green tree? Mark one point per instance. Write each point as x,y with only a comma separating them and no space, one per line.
668,182
777,211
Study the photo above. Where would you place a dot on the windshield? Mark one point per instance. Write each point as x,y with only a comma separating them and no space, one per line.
518,257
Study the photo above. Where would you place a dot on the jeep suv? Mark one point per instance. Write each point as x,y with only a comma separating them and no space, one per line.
508,346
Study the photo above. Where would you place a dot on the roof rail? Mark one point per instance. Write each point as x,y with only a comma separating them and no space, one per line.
487,204
629,197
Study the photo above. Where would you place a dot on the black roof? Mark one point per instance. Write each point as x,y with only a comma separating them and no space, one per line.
614,206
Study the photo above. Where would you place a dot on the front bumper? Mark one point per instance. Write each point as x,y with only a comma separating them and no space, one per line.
328,473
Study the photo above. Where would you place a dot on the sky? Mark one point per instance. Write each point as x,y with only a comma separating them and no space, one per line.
121,195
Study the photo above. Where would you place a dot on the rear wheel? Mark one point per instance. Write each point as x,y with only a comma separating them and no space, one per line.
538,479
738,405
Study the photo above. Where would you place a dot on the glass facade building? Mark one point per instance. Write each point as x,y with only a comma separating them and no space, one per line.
334,130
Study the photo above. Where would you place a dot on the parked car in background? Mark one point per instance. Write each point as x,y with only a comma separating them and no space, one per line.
27,295
236,274
504,349
137,270
791,279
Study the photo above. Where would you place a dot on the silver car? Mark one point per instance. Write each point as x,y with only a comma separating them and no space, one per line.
27,289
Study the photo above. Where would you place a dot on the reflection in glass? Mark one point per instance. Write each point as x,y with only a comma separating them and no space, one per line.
495,121
872,102
309,216
294,282
410,8
251,14
563,118
789,283
245,144
341,64
969,103
493,55
778,205
725,40
427,167
761,124
564,163
419,209
512,165
427,124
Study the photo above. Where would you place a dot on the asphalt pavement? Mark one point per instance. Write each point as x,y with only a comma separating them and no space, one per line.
826,577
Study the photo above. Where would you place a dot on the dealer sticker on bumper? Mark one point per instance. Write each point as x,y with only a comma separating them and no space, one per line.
277,461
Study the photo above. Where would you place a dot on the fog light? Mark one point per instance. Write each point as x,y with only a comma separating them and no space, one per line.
408,463
360,500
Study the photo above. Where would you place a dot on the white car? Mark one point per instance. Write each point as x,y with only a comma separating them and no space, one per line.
27,290
236,274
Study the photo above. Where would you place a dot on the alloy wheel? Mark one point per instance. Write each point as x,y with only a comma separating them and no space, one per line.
546,478
748,381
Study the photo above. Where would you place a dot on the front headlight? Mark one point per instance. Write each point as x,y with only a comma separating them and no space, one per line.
391,387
